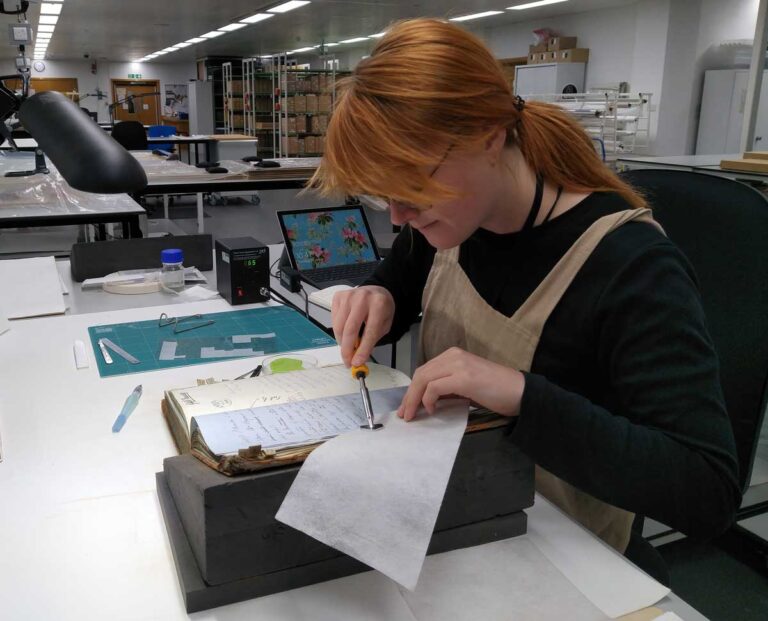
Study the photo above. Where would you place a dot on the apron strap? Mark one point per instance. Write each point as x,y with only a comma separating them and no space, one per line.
535,311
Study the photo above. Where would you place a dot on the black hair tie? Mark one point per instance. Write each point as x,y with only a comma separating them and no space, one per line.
519,103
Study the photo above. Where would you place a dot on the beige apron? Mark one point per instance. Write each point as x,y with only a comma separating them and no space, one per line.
455,315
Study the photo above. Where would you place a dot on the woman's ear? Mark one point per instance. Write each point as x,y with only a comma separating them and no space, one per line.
495,144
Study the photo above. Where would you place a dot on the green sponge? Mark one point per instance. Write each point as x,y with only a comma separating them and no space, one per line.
283,365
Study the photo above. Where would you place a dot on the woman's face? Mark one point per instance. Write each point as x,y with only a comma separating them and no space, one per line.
448,223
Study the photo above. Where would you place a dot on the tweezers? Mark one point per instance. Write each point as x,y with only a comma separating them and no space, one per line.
165,320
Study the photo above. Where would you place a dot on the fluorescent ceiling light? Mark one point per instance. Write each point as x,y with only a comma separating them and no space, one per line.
43,36
231,27
531,5
170,48
48,19
194,40
331,44
160,53
301,49
212,34
355,40
259,17
45,28
178,46
48,8
288,6
466,18
378,35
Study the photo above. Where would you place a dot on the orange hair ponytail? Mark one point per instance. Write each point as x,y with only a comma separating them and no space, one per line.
430,85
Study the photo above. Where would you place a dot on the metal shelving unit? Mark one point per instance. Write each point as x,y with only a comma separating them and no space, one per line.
298,127
259,86
233,98
620,122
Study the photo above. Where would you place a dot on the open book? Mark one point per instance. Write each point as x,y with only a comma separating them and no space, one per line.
245,425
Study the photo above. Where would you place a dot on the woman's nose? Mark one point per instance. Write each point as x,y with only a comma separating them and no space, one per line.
400,213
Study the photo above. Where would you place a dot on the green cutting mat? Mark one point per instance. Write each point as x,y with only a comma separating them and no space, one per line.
146,340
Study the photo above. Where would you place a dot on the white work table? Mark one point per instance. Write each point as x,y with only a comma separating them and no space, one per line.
81,531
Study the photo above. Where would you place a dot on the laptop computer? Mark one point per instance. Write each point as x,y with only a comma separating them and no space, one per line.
329,246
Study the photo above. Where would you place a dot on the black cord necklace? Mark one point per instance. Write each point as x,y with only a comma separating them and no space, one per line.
536,205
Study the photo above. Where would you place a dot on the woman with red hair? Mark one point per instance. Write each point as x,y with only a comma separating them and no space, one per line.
548,293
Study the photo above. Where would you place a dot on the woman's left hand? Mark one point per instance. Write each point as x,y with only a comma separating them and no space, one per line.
456,372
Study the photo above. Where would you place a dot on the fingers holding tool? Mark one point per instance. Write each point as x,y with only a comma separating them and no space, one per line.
360,372
369,306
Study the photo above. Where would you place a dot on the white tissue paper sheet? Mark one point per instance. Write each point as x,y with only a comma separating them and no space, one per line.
196,293
375,495
509,579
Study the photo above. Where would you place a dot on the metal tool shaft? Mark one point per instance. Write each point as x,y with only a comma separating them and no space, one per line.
367,404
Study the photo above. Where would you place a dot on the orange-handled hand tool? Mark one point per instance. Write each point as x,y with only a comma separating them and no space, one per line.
360,372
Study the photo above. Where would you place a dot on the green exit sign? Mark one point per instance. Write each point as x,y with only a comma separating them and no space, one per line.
134,76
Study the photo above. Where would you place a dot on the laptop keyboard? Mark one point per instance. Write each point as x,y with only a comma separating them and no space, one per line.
353,271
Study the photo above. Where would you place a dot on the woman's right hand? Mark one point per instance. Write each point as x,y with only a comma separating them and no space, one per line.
370,305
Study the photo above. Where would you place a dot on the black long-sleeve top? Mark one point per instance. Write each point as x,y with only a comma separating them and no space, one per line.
623,398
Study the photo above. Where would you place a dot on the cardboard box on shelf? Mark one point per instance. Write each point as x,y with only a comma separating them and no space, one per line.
321,144
290,105
311,104
542,57
533,58
319,124
291,125
310,144
324,104
314,83
300,104
292,145
551,57
556,44
301,123
539,47
577,55
236,87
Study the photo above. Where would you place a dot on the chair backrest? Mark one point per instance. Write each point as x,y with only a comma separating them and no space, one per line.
721,225
160,131
131,135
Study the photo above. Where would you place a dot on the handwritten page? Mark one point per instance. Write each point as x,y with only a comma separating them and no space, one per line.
291,424
291,387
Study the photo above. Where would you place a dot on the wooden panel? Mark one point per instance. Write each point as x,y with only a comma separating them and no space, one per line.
66,86
146,101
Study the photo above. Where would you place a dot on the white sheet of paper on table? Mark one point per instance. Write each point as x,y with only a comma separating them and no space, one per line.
30,288
608,580
523,585
375,495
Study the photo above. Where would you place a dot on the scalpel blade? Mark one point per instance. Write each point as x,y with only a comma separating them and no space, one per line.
120,351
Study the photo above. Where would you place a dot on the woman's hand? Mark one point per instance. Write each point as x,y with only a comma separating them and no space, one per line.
371,305
456,372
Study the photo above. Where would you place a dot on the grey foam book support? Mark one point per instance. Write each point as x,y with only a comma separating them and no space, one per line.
229,528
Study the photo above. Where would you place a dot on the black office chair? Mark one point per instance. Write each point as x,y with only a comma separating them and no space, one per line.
131,135
721,225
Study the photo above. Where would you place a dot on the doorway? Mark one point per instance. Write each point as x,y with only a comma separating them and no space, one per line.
137,100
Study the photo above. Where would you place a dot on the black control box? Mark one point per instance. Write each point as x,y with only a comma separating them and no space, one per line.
242,270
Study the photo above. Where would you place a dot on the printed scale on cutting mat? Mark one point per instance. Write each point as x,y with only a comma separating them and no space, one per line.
220,336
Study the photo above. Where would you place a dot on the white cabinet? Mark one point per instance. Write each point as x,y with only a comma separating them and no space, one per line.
722,112
200,107
549,79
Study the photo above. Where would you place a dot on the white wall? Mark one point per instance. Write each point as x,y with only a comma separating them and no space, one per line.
88,82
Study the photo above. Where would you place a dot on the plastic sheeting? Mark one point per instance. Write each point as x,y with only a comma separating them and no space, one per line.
50,194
